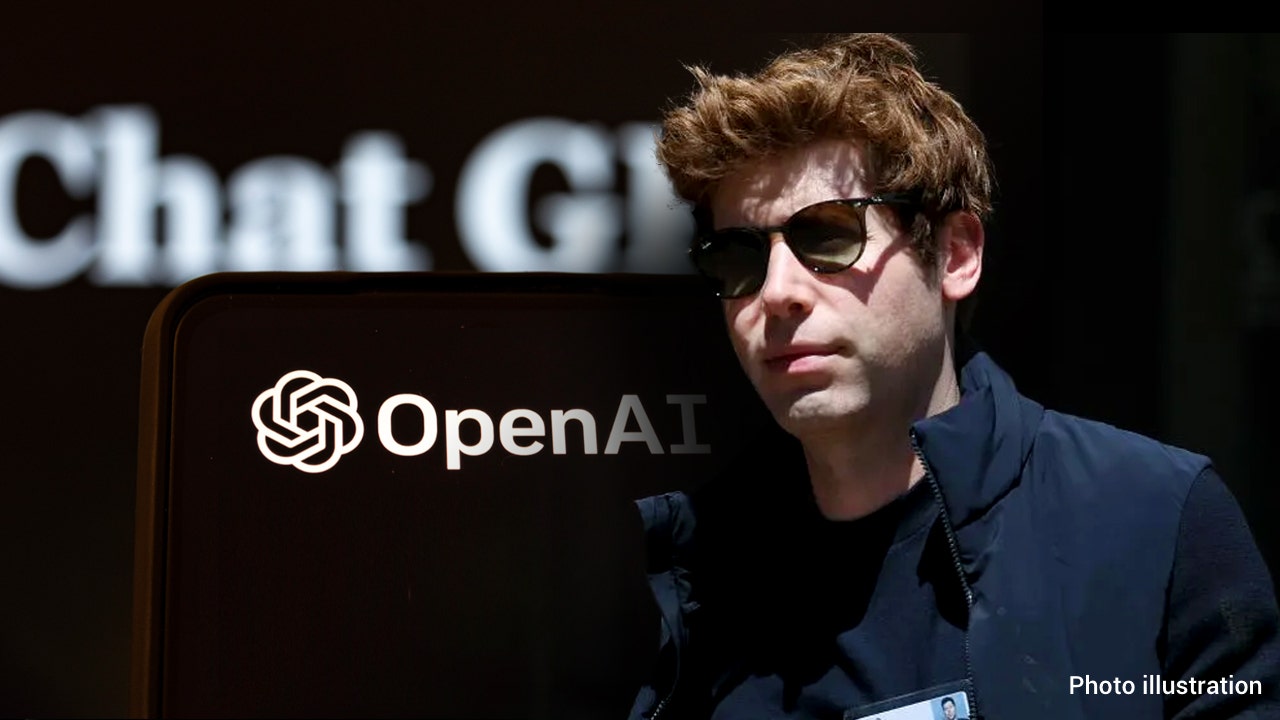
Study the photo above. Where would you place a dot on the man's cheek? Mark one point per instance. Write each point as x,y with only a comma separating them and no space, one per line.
741,337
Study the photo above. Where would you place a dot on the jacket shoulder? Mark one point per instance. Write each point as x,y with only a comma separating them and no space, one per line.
668,521
1100,462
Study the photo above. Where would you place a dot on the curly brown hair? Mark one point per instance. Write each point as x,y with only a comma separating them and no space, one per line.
865,88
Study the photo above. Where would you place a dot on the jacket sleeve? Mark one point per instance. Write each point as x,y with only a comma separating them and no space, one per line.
1221,621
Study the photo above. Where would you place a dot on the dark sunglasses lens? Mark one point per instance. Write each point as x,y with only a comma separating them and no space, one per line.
735,259
827,237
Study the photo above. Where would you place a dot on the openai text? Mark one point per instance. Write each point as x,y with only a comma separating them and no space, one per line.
310,422
518,428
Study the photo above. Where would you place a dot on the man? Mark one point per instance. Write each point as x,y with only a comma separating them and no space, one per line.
949,709
920,529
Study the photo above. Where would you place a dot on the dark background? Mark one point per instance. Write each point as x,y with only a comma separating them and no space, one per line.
1132,274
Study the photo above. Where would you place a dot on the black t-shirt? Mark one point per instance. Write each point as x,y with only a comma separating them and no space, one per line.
815,617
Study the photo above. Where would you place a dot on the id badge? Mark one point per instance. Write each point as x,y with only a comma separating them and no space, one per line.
942,702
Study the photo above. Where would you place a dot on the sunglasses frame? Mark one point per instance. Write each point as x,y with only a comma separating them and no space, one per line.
707,239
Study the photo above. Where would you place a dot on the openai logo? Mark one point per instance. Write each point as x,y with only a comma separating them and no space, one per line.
307,421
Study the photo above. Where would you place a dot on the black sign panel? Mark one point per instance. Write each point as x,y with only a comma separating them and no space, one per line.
413,494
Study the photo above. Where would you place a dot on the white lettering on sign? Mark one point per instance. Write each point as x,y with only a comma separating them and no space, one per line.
166,219
584,224
525,423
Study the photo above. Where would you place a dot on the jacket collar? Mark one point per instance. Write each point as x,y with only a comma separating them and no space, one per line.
976,449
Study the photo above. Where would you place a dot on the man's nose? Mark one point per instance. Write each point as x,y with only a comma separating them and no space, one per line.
788,284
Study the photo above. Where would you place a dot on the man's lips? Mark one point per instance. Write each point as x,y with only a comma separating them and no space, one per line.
797,358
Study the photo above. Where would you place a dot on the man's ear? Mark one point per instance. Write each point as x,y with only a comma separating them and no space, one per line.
960,243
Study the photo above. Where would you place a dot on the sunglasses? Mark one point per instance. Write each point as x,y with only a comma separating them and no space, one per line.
827,237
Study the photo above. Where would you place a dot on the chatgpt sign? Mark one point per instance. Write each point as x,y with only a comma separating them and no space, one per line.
162,219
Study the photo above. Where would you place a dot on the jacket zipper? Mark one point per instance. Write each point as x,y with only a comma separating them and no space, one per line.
675,682
954,546
662,705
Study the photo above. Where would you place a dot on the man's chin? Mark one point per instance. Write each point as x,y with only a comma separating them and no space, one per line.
813,411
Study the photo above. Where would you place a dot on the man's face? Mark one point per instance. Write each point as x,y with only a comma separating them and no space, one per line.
820,349
949,709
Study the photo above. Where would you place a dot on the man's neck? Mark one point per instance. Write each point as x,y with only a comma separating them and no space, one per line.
862,465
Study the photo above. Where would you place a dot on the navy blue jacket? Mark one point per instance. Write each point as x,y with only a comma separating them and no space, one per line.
1076,552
